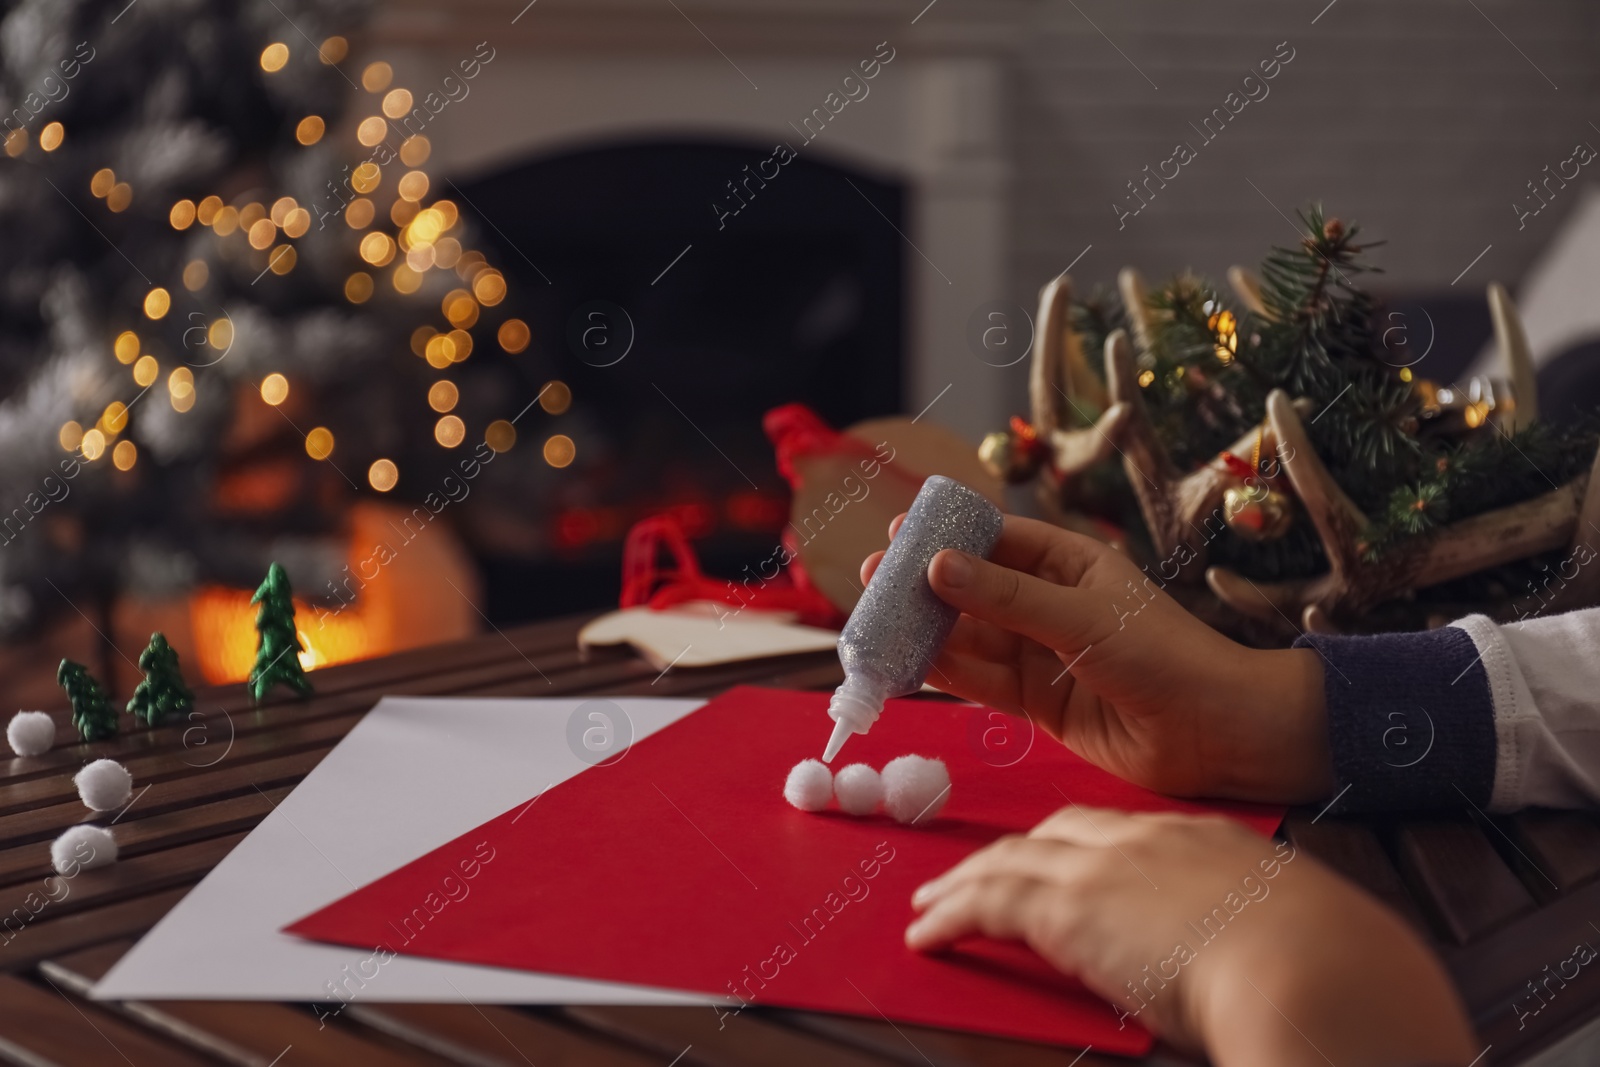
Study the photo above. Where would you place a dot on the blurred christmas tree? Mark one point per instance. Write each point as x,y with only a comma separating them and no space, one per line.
196,274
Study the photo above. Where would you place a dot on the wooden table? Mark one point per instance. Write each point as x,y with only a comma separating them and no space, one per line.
1501,899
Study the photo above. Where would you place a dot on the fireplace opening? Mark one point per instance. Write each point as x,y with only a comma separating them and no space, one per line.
675,290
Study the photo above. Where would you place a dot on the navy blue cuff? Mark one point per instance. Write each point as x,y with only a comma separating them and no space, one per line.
1410,719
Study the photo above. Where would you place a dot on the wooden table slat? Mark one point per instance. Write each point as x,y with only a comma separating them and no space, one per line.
707,1041
71,933
41,1025
1355,851
917,1045
1459,878
139,876
1564,845
249,1033
136,836
493,1036
359,677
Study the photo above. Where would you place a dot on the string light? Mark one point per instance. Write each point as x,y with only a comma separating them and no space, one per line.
426,226
406,280
333,50
296,222
397,102
365,178
449,431
383,475
514,335
274,389
1145,378
372,130
126,346
500,435
282,259
125,455
440,351
180,389
489,287
195,275
559,451
319,443
262,234
280,209
51,136
102,181
274,57
555,397
220,335
377,248
358,287
413,185
462,341
443,395
446,252
146,371
114,419
358,216
376,77
420,258
182,215
459,307
226,221
157,302
71,435
310,130
93,445
402,211
414,150
205,212
120,196
448,212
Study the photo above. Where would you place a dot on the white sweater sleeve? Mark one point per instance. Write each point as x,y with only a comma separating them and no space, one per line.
1544,679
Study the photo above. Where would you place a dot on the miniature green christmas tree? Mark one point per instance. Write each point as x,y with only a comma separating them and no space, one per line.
94,717
163,692
277,656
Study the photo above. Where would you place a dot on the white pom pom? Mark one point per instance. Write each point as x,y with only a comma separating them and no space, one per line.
104,785
82,847
859,789
810,785
915,788
31,733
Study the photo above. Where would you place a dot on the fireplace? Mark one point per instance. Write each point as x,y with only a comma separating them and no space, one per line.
772,201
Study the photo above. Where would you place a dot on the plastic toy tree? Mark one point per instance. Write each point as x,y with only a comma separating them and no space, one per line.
163,692
277,655
92,714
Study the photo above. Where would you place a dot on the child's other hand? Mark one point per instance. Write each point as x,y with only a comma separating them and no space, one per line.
1067,631
1208,935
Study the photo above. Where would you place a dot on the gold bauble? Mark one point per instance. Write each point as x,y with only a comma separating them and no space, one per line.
1003,456
1257,513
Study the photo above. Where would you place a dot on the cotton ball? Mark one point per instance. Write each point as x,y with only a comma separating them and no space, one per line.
859,789
82,847
104,785
915,788
810,785
31,733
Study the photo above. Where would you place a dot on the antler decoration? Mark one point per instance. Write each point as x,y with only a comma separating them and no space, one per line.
1354,583
1182,511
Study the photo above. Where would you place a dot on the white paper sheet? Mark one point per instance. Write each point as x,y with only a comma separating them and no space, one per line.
412,775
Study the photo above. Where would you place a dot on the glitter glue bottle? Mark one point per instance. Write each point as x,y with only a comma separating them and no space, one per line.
900,624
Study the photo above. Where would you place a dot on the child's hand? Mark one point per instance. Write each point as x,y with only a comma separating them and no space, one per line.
1210,936
1067,631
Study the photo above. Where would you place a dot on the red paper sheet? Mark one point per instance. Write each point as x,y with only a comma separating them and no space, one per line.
680,865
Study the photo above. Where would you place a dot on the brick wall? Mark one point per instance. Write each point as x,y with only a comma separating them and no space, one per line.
1416,117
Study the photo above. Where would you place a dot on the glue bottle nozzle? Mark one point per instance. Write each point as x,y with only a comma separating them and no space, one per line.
841,733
